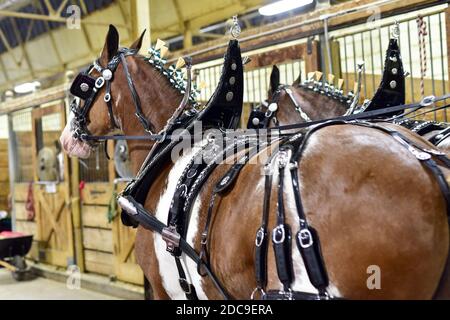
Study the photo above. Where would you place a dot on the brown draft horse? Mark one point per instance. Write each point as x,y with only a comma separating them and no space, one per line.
371,201
317,106
313,104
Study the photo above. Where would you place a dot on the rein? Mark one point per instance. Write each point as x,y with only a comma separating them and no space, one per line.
427,101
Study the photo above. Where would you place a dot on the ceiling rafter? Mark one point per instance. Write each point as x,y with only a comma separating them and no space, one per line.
52,36
83,29
25,55
43,17
8,48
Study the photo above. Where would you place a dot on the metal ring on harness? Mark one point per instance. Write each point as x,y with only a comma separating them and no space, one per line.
99,82
428,101
260,290
305,234
280,229
259,237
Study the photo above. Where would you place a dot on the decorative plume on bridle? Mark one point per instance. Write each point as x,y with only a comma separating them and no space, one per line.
315,82
174,72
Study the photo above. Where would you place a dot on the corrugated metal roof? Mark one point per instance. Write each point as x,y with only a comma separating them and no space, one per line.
38,27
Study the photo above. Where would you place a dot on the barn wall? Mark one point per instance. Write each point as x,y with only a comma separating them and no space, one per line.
97,230
363,42
4,175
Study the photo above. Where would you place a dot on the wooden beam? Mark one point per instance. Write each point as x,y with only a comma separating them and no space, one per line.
209,35
52,39
140,16
8,47
447,31
25,55
180,17
35,99
187,35
61,7
34,16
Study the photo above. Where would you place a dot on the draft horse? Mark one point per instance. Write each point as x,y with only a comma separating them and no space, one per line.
367,192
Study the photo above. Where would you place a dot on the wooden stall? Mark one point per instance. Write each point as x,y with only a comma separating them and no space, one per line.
51,190
299,46
108,246
21,138
69,208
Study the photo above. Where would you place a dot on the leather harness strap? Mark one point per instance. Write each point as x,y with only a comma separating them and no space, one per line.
260,120
308,242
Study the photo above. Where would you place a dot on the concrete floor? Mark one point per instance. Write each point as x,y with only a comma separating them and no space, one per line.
43,289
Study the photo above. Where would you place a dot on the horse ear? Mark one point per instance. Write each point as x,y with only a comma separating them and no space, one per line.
111,44
274,79
138,43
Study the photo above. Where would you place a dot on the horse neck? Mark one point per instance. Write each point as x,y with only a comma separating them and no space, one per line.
315,105
159,101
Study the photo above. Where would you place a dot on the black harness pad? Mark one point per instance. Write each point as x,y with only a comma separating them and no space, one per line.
261,119
392,87
82,86
224,108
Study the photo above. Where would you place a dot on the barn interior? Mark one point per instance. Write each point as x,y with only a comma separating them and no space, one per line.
68,205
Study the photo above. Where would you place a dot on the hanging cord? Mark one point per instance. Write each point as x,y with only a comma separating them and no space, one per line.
422,32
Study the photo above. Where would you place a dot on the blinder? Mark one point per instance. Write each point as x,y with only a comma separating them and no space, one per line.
83,86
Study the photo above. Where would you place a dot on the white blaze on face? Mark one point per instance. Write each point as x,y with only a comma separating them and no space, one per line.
72,146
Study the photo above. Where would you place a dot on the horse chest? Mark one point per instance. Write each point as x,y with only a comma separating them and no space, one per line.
167,267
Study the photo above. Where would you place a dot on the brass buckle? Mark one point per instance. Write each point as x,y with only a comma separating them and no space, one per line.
171,237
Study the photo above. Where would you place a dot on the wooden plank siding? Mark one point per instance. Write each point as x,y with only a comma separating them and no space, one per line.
96,230
4,175
22,224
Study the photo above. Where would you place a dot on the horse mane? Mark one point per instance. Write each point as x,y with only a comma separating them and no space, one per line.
172,78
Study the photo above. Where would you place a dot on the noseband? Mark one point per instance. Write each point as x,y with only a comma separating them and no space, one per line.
87,88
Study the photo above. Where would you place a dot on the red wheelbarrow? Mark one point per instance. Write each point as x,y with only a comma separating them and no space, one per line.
13,248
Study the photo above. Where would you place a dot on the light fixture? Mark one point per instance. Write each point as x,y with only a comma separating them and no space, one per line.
27,87
282,6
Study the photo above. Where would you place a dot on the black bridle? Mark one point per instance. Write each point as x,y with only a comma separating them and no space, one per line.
87,87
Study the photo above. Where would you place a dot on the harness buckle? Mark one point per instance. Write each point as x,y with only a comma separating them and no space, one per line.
283,159
427,101
259,237
420,155
185,286
99,82
171,237
204,239
279,234
256,290
305,238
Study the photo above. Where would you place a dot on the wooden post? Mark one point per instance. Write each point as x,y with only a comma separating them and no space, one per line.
447,31
74,192
76,212
13,160
187,39
312,62
140,17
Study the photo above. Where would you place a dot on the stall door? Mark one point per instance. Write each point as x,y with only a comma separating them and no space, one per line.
51,187
125,262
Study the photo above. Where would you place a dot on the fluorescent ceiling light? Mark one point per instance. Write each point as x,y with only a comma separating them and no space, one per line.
27,87
282,6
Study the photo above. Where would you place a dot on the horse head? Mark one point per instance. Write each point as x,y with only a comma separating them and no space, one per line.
118,92
288,104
